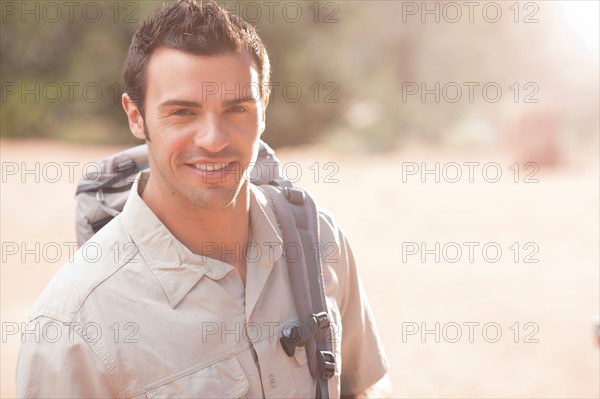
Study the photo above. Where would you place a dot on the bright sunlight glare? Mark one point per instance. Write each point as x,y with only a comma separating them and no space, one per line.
582,19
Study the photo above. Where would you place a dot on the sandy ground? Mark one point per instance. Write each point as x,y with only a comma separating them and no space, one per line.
544,311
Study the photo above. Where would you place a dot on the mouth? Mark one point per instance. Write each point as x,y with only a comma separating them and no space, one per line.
213,172
211,167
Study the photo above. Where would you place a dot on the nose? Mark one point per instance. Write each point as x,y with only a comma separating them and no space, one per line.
210,134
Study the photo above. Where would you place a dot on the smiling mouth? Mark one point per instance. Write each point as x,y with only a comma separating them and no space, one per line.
211,167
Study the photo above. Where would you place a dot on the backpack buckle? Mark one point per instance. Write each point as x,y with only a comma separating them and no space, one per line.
298,334
320,325
291,337
326,361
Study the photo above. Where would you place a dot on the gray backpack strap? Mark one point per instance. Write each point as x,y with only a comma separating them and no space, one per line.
298,219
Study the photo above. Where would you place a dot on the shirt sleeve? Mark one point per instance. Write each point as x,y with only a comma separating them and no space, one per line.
56,362
363,358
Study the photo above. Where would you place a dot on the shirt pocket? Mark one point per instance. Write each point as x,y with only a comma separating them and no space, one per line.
224,379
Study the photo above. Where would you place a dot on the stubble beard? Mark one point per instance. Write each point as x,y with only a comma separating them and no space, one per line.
217,197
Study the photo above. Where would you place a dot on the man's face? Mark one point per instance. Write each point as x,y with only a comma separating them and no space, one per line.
204,118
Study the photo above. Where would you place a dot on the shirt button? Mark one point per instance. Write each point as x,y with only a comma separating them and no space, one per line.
272,381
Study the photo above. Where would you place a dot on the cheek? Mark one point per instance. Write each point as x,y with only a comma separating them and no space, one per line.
242,130
173,129
174,135
255,123
164,149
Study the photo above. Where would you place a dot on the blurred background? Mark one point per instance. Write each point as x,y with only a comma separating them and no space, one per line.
422,125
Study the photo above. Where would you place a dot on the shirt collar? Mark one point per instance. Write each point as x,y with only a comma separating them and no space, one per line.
175,267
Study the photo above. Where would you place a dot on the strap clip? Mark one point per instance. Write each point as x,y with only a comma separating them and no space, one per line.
326,361
297,334
291,337
319,323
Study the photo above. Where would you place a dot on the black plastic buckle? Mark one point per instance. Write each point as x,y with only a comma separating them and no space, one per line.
320,325
326,362
297,335
291,337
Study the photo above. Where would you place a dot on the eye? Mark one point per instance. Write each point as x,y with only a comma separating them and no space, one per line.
181,112
237,109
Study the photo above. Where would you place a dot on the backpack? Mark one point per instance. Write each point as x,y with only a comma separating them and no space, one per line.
102,193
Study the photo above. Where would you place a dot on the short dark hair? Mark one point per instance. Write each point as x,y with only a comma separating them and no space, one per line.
200,29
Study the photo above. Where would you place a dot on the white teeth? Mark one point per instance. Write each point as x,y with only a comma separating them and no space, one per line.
210,167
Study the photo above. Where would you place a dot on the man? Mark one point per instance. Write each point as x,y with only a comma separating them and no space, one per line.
139,311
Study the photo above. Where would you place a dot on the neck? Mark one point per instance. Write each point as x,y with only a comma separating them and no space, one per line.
220,234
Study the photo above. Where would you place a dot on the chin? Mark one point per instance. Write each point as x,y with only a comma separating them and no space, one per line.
216,198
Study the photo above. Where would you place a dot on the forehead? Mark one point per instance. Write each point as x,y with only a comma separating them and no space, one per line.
174,73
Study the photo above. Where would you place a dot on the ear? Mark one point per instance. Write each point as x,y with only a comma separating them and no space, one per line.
263,121
136,121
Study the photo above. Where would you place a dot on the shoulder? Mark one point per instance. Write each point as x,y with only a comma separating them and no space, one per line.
331,233
92,265
330,229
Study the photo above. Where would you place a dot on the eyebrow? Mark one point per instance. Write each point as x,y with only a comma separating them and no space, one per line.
240,100
193,104
183,103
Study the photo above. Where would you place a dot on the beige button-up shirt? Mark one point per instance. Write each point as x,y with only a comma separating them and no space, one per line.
136,314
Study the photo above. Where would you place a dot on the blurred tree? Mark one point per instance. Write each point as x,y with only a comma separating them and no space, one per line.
340,70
